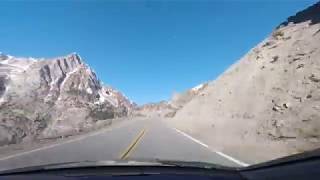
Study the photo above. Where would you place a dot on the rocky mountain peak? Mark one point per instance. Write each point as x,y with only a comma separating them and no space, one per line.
53,96
3,56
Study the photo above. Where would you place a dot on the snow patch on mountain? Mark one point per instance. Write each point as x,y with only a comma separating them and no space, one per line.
197,88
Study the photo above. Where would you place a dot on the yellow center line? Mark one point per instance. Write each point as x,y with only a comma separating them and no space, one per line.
132,146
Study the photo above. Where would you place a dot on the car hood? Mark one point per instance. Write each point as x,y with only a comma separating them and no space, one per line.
114,163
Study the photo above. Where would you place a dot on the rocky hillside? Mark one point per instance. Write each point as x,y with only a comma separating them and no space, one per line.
160,109
169,108
269,99
41,98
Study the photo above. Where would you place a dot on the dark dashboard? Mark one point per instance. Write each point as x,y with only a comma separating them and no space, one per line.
304,166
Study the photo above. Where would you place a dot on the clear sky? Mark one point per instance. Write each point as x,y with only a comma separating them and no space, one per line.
146,49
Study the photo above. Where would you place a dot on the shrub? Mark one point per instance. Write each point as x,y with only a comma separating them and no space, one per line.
276,34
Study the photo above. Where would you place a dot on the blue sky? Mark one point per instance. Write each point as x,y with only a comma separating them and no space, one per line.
146,49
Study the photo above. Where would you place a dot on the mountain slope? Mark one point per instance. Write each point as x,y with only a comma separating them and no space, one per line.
169,108
269,99
52,97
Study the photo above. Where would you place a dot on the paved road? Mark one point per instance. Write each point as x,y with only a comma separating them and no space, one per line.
131,140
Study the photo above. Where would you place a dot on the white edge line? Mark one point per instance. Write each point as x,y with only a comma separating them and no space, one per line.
193,139
232,159
218,152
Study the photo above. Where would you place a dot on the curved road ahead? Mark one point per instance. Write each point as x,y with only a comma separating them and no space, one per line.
129,140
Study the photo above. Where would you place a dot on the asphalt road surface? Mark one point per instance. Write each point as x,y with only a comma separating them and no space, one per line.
131,140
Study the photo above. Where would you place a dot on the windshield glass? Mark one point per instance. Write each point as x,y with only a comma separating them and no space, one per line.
232,83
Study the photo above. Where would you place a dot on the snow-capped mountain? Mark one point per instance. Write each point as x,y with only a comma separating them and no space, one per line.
49,97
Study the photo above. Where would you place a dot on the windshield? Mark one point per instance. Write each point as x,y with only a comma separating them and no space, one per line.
229,83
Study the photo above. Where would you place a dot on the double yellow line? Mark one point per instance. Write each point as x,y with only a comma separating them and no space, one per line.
132,146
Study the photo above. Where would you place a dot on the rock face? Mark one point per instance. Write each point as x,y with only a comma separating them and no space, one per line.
159,109
269,99
52,97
